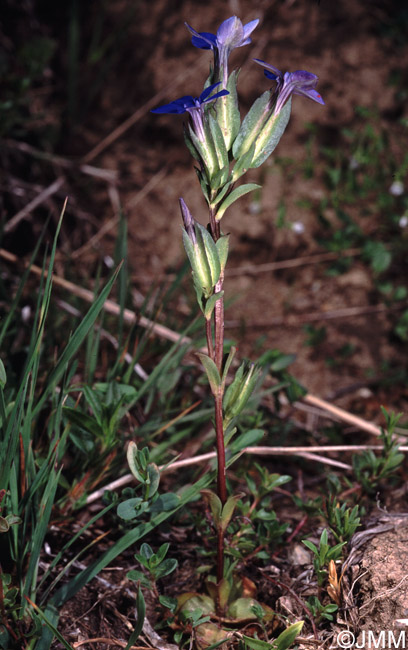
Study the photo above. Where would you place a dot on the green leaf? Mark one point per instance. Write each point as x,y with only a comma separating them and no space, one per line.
256,644
83,421
220,179
227,364
288,636
232,392
206,152
210,304
220,195
227,110
312,547
141,611
132,508
211,371
234,196
165,568
243,164
153,480
218,138
377,254
247,439
270,135
222,245
228,510
224,591
169,602
241,610
132,455
251,125
204,183
140,577
165,503
3,376
209,249
282,362
190,146
146,551
199,262
215,504
162,552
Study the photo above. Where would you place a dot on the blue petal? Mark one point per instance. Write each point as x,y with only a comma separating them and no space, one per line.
248,29
207,92
179,106
201,43
203,40
268,66
270,75
222,93
230,33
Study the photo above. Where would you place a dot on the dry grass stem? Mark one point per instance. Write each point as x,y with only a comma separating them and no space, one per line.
41,198
300,319
310,453
255,269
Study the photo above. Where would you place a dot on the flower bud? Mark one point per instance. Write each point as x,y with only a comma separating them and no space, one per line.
239,392
201,251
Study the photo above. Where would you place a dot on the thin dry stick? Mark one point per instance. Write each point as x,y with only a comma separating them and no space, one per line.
40,198
261,451
160,330
110,642
155,180
141,112
110,306
254,269
108,175
341,414
300,319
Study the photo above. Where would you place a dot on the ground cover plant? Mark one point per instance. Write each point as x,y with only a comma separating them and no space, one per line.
92,554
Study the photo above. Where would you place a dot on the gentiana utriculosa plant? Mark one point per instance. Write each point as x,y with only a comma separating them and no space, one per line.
225,147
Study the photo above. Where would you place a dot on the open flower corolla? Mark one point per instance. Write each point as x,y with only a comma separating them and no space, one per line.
299,82
230,34
189,103
193,106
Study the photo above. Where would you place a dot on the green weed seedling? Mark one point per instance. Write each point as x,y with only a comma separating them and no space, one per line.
370,470
156,566
108,404
343,521
319,611
257,529
323,555
284,641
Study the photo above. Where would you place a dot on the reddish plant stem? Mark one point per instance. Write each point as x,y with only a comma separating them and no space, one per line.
218,354
221,485
219,325
208,333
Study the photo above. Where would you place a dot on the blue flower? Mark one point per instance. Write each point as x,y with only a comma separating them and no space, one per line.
193,106
188,103
230,34
299,82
